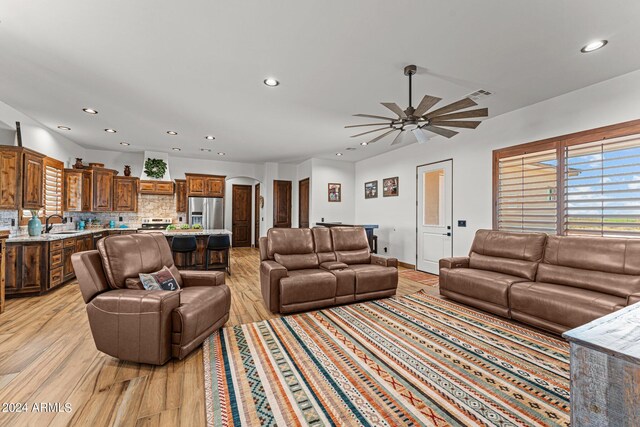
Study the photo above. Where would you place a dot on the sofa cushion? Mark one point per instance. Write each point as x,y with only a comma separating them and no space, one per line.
289,241
621,285
374,277
297,261
127,256
512,267
323,245
307,285
351,245
502,244
484,285
200,308
562,305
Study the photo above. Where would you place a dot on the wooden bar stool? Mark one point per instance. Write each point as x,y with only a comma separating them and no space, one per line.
218,243
185,245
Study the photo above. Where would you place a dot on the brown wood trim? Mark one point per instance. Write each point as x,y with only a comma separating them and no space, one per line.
406,265
204,174
559,143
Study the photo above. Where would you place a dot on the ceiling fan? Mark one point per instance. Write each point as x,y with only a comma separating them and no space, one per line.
418,120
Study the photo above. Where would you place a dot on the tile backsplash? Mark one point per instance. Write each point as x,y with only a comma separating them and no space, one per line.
149,205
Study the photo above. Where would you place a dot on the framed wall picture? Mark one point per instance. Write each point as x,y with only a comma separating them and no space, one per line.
390,187
371,189
335,192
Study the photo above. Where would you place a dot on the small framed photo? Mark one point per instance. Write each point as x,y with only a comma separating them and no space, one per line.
371,189
335,192
390,187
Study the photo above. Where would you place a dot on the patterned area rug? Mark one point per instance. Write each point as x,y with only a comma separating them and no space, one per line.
420,277
413,360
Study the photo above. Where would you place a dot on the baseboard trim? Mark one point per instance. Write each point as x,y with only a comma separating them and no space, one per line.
406,265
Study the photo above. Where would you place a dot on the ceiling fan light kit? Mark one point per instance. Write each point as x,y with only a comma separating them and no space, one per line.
419,119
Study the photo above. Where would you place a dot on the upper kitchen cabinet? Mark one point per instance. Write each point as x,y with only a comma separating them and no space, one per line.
156,187
199,185
73,190
103,189
125,194
21,178
87,191
181,195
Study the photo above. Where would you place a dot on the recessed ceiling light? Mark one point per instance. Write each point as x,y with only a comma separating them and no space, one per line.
175,149
110,130
209,137
364,144
172,132
271,82
64,128
595,45
124,143
205,149
90,111
221,154
338,154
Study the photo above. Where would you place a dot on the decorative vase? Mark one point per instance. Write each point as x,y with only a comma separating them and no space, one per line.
127,170
34,226
78,164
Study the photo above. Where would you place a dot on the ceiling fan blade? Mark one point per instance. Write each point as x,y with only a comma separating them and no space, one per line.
481,112
448,133
379,137
371,131
398,138
368,124
374,117
458,105
395,108
427,102
420,136
469,124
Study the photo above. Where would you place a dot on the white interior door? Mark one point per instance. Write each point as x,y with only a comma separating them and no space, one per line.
434,228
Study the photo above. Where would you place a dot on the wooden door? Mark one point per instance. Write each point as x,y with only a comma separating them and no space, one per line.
33,170
72,191
303,203
256,219
87,191
10,176
102,190
281,204
241,215
181,195
125,194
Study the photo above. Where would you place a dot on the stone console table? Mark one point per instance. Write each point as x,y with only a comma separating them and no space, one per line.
605,370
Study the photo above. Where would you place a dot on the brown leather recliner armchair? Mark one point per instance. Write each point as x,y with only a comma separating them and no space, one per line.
304,269
133,324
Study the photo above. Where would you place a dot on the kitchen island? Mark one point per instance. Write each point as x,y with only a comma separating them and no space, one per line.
197,259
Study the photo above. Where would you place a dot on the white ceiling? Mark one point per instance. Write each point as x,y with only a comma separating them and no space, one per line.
197,66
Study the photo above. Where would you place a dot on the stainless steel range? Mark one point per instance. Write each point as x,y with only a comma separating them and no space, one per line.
155,224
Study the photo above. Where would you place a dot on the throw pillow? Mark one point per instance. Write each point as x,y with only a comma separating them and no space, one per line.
161,280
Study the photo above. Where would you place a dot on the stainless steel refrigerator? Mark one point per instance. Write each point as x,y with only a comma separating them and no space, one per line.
207,211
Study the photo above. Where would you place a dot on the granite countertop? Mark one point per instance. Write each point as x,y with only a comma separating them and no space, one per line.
75,233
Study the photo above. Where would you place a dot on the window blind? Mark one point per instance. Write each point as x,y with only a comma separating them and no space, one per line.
602,188
52,189
527,192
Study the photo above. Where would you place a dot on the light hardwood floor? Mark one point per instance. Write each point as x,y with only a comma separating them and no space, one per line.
47,355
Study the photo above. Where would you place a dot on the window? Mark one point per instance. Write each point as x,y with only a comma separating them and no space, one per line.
580,184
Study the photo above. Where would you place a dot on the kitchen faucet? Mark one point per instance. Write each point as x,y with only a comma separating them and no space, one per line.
47,227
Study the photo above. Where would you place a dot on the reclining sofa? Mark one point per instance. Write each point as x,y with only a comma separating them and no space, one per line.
555,283
304,269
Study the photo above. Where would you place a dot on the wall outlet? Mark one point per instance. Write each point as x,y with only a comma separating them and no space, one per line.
120,219
322,220
462,223
13,222
179,219
385,249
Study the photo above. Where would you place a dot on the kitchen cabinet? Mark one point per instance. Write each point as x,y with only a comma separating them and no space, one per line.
32,180
87,191
4,234
10,176
156,187
181,195
125,194
200,185
103,189
73,190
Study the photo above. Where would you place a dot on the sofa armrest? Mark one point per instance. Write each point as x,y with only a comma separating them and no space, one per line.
455,262
633,298
333,265
201,278
270,274
384,261
134,325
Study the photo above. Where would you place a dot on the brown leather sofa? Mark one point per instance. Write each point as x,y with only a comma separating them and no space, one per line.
133,324
555,283
305,269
